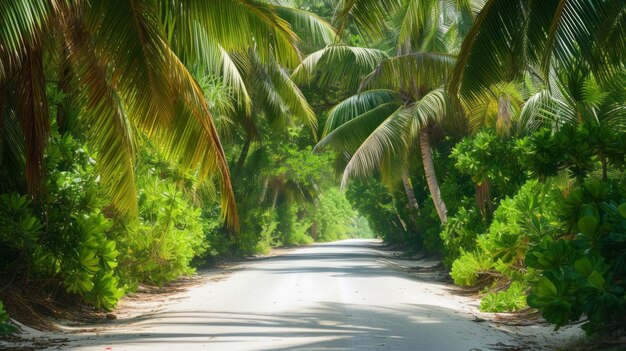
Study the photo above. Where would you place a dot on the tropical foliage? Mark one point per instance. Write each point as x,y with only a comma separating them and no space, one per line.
141,139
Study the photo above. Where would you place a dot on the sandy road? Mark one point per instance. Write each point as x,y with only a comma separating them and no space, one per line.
336,296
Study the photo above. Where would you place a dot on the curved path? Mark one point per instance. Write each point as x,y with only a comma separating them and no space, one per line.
336,296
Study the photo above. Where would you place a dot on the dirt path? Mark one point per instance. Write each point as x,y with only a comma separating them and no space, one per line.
347,295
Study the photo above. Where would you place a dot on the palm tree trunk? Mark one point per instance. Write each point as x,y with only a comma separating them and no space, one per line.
503,124
64,86
242,156
431,176
410,194
408,189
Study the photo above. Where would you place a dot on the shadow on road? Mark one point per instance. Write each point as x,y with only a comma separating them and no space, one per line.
330,326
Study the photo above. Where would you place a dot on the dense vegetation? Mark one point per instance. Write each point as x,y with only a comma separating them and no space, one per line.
139,139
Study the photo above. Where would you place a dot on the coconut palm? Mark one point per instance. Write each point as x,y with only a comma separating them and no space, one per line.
123,65
377,127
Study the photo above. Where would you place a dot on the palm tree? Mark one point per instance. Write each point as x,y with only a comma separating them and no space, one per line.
377,127
123,65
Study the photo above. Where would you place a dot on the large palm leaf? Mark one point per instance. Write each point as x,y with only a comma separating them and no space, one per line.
509,35
339,62
128,78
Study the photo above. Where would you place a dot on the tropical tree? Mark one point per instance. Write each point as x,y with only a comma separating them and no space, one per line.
122,70
406,99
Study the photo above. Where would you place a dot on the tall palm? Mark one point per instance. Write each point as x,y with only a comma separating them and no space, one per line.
373,131
377,127
124,65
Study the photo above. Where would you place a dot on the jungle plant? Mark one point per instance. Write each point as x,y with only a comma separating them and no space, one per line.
493,165
510,300
5,326
159,246
584,270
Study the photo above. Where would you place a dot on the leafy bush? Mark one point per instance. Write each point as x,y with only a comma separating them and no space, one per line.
526,218
460,231
577,148
334,216
160,246
5,326
584,271
509,300
74,247
468,268
489,159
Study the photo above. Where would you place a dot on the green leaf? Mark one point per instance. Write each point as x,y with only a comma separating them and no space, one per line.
622,210
545,288
584,266
596,280
588,225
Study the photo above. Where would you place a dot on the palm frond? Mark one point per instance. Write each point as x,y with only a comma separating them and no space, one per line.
193,140
127,34
307,24
488,53
578,26
234,24
543,109
213,59
337,63
357,105
387,142
412,74
104,118
369,15
433,107
349,136
22,21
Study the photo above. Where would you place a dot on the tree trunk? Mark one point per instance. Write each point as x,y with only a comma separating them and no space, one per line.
408,188
605,176
64,86
503,124
410,194
242,156
313,230
431,176
484,200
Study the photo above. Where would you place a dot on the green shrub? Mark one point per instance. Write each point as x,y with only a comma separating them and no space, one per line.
577,148
75,246
509,300
468,268
160,246
5,326
487,158
584,272
461,230
334,216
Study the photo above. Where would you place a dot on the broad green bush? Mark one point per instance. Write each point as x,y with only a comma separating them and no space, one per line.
461,230
67,238
489,159
526,218
580,149
584,271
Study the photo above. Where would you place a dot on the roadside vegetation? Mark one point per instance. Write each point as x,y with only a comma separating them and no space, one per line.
141,139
